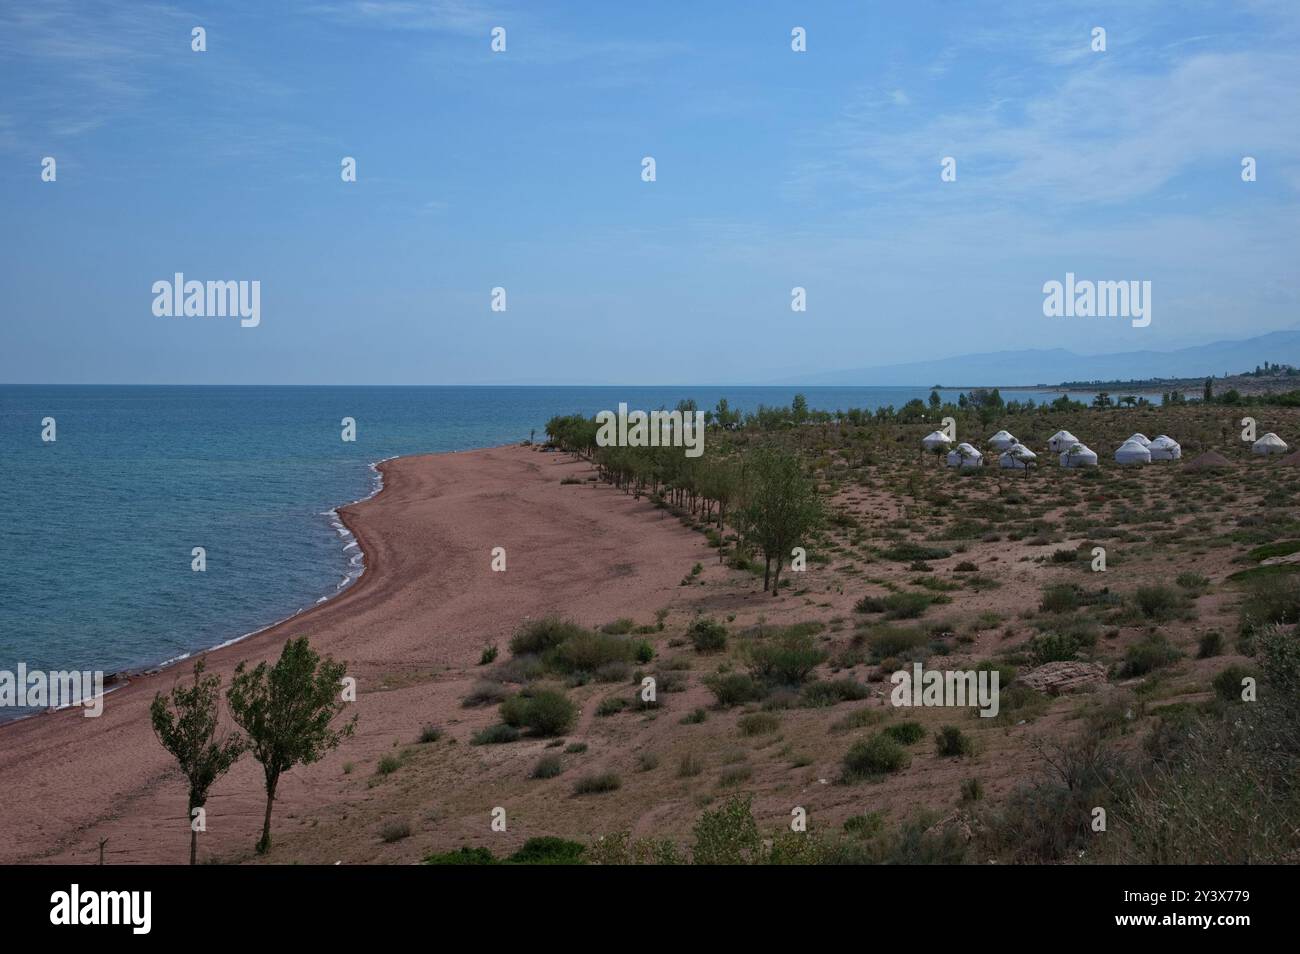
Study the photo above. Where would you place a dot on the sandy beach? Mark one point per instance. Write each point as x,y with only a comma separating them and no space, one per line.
411,630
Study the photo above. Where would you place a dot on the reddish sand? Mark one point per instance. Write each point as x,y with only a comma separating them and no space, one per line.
411,630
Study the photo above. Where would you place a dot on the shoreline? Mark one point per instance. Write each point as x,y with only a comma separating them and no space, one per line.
120,679
411,631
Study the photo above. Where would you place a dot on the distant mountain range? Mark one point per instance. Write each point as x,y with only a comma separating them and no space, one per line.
1056,365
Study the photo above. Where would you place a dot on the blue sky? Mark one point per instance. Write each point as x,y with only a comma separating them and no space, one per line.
522,170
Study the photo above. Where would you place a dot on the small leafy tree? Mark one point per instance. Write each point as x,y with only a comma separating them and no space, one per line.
286,709
187,728
781,508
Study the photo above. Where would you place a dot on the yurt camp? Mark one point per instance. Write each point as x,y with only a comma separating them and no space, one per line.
1079,455
1059,441
1017,457
1164,448
1270,443
1132,452
1002,440
934,441
965,456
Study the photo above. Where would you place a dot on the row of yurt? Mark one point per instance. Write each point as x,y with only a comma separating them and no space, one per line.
1138,449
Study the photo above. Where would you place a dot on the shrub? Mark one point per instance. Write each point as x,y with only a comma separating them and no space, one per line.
1192,581
548,850
817,695
873,757
1157,602
865,826
728,835
886,641
1211,644
972,790
905,733
539,635
597,784
786,660
620,627
611,705
387,765
548,766
1271,601
1147,655
1059,598
488,655
694,717
707,635
907,605
908,552
689,766
733,688
870,604
642,651
952,742
1227,684
462,856
430,733
546,712
1052,647
495,735
758,723
586,651
394,830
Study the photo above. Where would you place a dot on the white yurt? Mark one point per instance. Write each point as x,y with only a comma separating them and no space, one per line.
1079,455
1270,443
1017,457
1164,448
1061,440
965,456
1141,439
1132,452
1003,440
934,440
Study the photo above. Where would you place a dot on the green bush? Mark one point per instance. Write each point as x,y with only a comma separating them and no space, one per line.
758,723
785,660
1210,645
1053,647
548,850
1157,602
873,757
548,766
1060,598
539,635
462,856
817,695
733,688
907,605
1227,684
1149,654
495,735
886,641
905,733
597,784
586,651
953,742
707,635
545,712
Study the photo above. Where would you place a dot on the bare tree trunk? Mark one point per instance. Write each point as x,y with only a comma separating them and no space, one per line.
264,845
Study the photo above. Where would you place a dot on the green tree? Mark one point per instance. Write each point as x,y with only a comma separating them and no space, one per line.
780,509
1209,390
187,728
286,709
